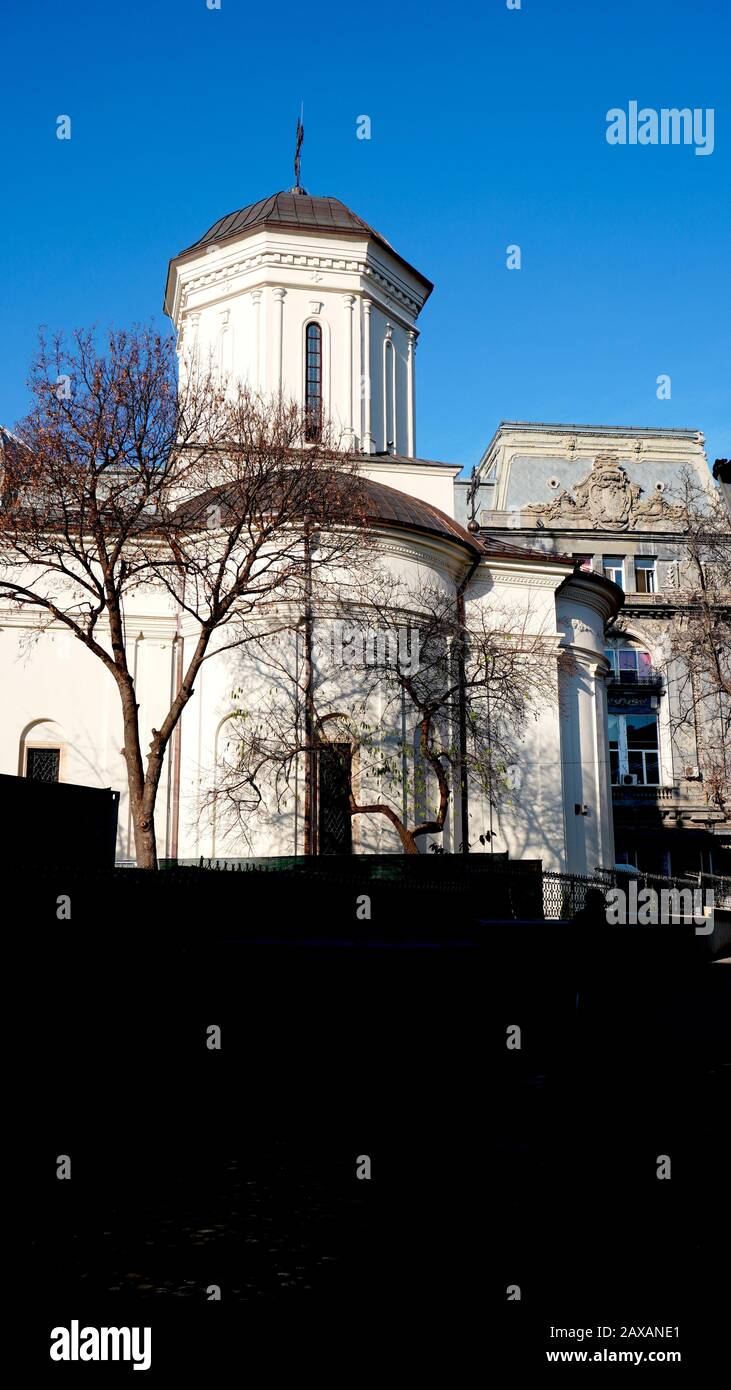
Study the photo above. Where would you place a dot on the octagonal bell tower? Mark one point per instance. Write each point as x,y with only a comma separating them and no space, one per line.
298,295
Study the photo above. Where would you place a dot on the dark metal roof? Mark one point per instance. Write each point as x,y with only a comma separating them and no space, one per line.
375,503
297,212
387,504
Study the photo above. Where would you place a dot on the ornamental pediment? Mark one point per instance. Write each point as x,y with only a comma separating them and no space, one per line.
606,499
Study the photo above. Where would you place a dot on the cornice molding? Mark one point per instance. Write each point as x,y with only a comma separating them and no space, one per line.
154,627
521,577
379,282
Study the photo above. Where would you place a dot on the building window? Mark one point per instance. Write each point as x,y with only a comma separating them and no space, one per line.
644,575
583,561
634,750
389,397
614,569
630,665
313,382
43,764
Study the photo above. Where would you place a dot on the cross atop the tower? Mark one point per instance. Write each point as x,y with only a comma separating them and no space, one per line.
297,160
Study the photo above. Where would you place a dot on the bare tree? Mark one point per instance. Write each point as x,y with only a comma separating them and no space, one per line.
125,478
700,633
429,695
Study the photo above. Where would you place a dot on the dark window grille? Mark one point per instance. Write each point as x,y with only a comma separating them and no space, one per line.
335,824
313,383
42,764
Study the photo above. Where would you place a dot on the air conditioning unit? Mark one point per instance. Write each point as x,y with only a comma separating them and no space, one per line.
630,779
693,774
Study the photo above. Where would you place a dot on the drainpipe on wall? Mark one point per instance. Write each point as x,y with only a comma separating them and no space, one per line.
177,733
139,638
464,809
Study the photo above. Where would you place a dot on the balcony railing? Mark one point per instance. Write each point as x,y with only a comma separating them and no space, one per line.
642,792
634,680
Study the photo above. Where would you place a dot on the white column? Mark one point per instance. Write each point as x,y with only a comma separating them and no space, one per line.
349,302
223,344
278,338
366,377
192,342
411,394
256,301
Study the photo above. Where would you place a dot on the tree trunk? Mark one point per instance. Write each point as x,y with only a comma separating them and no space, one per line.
141,794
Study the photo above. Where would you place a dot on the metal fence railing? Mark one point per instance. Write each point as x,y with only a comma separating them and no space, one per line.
564,895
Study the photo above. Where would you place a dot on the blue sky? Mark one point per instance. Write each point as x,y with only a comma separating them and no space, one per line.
488,129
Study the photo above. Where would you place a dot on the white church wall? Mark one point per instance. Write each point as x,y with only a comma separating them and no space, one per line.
529,819
338,692
57,694
433,483
235,681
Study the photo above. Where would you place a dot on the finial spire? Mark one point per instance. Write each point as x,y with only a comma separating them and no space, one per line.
297,160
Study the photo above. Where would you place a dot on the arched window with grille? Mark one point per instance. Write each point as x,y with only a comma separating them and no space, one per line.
389,397
42,751
313,382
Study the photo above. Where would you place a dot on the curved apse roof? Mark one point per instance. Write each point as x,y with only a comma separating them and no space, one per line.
388,506
379,504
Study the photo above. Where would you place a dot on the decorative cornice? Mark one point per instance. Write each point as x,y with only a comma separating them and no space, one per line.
604,499
508,576
525,436
196,278
450,566
154,627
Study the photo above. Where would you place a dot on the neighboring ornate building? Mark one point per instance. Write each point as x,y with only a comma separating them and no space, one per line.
604,495
297,294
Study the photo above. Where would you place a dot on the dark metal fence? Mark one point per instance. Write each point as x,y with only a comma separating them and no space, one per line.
564,895
495,887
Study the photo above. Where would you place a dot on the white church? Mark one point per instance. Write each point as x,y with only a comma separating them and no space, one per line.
298,295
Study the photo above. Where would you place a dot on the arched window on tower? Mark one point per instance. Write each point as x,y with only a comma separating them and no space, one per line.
313,382
389,397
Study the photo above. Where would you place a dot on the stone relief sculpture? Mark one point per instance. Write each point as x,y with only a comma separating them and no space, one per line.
605,500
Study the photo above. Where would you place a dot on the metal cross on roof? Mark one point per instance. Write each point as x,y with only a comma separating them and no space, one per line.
472,495
297,160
